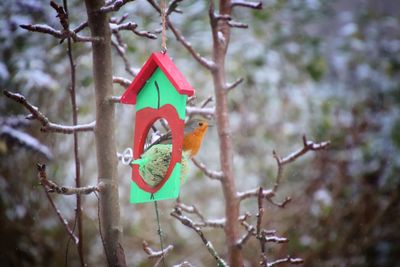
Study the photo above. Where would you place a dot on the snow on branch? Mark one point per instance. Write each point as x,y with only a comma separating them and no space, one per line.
152,254
176,213
111,6
121,81
52,187
267,193
230,86
216,223
240,3
132,26
43,28
48,126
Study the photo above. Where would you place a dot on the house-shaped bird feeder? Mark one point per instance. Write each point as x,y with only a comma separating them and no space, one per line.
159,91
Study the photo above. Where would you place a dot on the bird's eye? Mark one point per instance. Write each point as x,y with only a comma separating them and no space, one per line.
201,123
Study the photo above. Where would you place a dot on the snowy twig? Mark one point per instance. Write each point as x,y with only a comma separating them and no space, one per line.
208,64
156,254
237,24
200,111
288,259
121,52
42,168
131,26
122,81
267,193
307,146
48,126
240,3
51,186
218,223
58,34
230,86
215,175
189,223
115,99
115,6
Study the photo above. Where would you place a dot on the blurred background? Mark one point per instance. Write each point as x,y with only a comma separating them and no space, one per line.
326,69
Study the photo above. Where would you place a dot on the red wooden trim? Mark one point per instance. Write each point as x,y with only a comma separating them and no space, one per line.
170,70
144,119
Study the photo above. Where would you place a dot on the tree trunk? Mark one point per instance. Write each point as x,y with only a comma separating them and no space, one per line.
220,47
104,133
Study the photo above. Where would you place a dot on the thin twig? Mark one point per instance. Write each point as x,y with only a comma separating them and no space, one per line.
64,190
307,146
189,223
121,52
42,28
215,175
233,85
131,26
152,254
42,168
208,112
63,16
237,24
100,231
48,126
122,81
216,223
267,193
288,259
253,5
114,7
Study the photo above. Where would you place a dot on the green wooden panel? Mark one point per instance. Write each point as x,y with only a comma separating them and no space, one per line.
148,96
168,191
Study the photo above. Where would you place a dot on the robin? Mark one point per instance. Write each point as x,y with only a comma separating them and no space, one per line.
154,162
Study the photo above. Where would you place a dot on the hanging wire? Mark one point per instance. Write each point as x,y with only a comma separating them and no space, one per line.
159,231
164,26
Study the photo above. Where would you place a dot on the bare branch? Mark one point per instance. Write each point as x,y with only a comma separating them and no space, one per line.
80,27
121,53
240,3
115,99
200,111
115,6
122,81
267,193
189,223
288,259
217,223
237,24
233,85
42,168
48,126
152,254
215,175
131,26
184,264
208,64
52,187
172,7
206,101
307,146
42,28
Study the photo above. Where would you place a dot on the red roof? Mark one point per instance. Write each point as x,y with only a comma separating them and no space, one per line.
162,61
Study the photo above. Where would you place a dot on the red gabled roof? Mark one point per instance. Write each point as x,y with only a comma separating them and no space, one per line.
162,61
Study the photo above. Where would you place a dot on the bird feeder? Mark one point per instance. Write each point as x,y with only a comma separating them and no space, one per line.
159,91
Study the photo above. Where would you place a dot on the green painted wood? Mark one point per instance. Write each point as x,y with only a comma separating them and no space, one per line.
148,96
168,191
